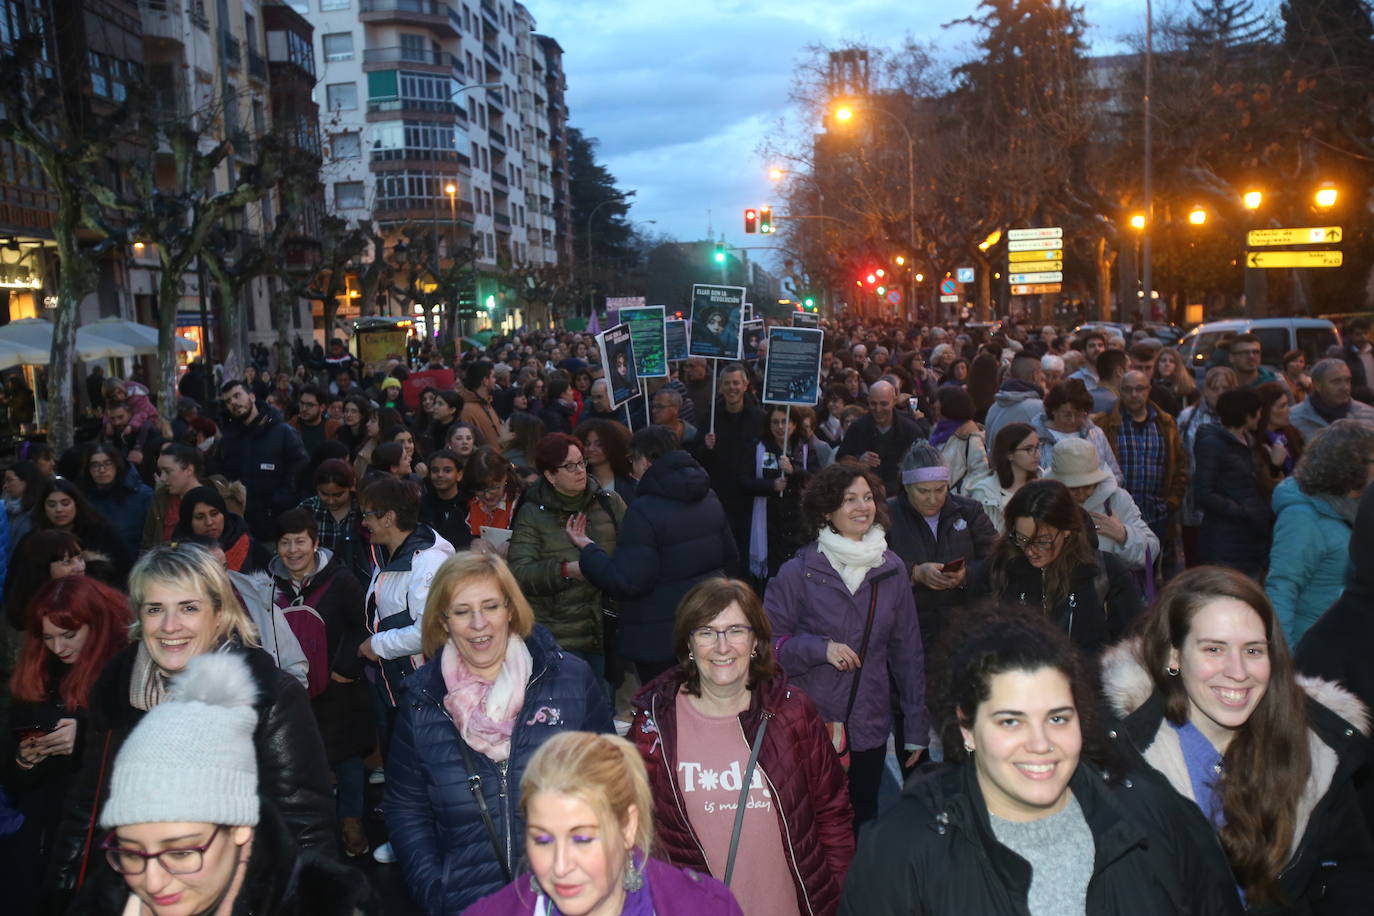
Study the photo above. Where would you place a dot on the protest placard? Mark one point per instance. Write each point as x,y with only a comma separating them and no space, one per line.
717,323
792,374
675,339
647,340
617,358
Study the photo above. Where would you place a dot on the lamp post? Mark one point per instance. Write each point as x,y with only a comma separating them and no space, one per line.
844,114
1145,270
591,295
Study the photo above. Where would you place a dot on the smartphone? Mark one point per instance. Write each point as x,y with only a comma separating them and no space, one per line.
34,723
953,566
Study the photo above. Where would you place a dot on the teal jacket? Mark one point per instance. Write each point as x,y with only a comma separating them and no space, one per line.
1308,559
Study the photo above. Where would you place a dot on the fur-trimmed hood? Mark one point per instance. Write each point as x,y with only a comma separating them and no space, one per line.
1131,696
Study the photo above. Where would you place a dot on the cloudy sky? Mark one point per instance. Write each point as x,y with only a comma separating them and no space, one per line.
681,94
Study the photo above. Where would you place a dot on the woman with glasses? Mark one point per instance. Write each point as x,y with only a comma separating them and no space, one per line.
116,491
495,688
842,615
493,498
1067,408
190,827
184,607
701,725
1045,560
545,562
1015,462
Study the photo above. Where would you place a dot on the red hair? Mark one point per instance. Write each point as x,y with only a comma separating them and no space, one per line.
71,603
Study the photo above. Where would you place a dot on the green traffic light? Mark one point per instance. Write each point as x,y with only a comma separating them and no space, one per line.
720,257
809,302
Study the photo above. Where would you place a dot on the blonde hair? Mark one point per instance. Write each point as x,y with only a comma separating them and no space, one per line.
460,570
604,771
195,569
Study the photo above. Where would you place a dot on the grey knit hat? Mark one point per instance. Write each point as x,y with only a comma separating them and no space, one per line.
192,758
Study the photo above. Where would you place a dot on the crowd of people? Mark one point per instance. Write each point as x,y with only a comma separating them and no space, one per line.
1103,618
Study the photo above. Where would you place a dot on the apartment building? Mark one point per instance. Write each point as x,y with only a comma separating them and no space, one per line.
436,123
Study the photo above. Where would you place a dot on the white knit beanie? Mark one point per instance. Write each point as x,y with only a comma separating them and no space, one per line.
192,758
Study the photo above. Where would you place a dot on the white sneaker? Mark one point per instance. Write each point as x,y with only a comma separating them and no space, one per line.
377,777
384,854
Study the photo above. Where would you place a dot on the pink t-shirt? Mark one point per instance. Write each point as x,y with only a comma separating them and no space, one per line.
712,755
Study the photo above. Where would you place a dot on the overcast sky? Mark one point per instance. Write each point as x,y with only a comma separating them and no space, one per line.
681,94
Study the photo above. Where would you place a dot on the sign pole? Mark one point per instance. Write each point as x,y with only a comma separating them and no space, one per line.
645,397
715,364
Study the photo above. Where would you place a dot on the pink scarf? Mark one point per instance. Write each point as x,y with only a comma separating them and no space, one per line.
485,711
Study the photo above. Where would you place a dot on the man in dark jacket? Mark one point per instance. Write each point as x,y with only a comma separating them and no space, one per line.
264,453
738,425
673,535
880,438
1358,354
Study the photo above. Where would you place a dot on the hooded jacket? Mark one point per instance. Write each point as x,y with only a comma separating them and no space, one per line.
396,598
1237,523
809,605
1309,557
673,535
267,456
441,844
799,764
1089,430
1141,542
539,545
1331,867
934,853
125,504
1016,401
292,771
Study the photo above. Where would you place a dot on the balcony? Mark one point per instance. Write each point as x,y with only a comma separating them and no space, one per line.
421,59
498,180
493,56
162,19
419,209
257,66
489,14
498,145
229,51
428,13
389,109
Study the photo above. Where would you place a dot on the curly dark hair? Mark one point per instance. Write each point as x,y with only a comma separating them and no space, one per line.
1336,460
825,493
614,439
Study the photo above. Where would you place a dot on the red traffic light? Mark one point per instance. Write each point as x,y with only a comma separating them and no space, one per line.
751,220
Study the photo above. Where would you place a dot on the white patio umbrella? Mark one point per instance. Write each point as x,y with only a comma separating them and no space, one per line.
139,336
16,354
35,334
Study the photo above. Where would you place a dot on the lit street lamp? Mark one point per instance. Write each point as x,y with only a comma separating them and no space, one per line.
1197,216
1326,196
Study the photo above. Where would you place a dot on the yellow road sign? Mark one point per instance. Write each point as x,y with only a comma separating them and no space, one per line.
1032,266
1037,255
1293,259
1034,244
1035,289
1315,235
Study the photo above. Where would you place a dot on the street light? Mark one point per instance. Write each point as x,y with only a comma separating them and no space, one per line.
1138,221
591,295
776,174
844,113
1252,199
1326,196
901,261
1197,216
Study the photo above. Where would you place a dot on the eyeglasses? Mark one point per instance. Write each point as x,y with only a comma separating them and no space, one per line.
101,465
182,861
1039,545
738,635
1027,449
374,513
573,467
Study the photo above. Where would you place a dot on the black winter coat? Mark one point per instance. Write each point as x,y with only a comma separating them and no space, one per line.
934,853
863,436
431,814
1237,520
267,455
1102,603
786,532
673,535
1336,647
963,532
736,436
280,880
293,773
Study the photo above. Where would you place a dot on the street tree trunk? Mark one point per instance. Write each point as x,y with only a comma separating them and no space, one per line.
76,280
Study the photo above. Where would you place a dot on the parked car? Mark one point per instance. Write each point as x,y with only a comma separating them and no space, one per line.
1166,334
1206,345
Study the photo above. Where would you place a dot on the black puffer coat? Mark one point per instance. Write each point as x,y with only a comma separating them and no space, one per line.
267,455
293,774
963,532
1237,520
934,853
674,535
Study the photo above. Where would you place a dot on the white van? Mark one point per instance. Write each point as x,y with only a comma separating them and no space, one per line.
1313,336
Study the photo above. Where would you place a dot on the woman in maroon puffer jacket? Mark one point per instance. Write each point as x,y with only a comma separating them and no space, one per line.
695,726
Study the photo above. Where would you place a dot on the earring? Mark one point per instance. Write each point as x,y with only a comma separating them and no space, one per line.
754,654
968,748
535,889
633,879
691,656
1173,672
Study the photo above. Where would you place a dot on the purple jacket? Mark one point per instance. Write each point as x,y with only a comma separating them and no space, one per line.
809,605
675,892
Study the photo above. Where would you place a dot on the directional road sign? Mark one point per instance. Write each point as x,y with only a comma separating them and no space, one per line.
1046,232
1315,235
947,286
1293,259
949,298
1034,244
894,296
1039,265
1044,276
964,274
1035,289
1034,255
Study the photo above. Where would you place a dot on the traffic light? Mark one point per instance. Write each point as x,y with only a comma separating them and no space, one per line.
765,219
720,253
751,220
809,303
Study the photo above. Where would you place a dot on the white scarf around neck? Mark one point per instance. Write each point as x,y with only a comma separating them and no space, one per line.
853,559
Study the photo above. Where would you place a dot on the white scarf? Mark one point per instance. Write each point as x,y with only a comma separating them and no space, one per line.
853,559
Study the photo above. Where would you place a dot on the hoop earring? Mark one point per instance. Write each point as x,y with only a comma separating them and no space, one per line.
831,526
1172,671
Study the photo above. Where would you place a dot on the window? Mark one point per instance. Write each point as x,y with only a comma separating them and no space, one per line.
338,46
414,140
347,145
250,32
342,96
327,5
414,47
348,195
